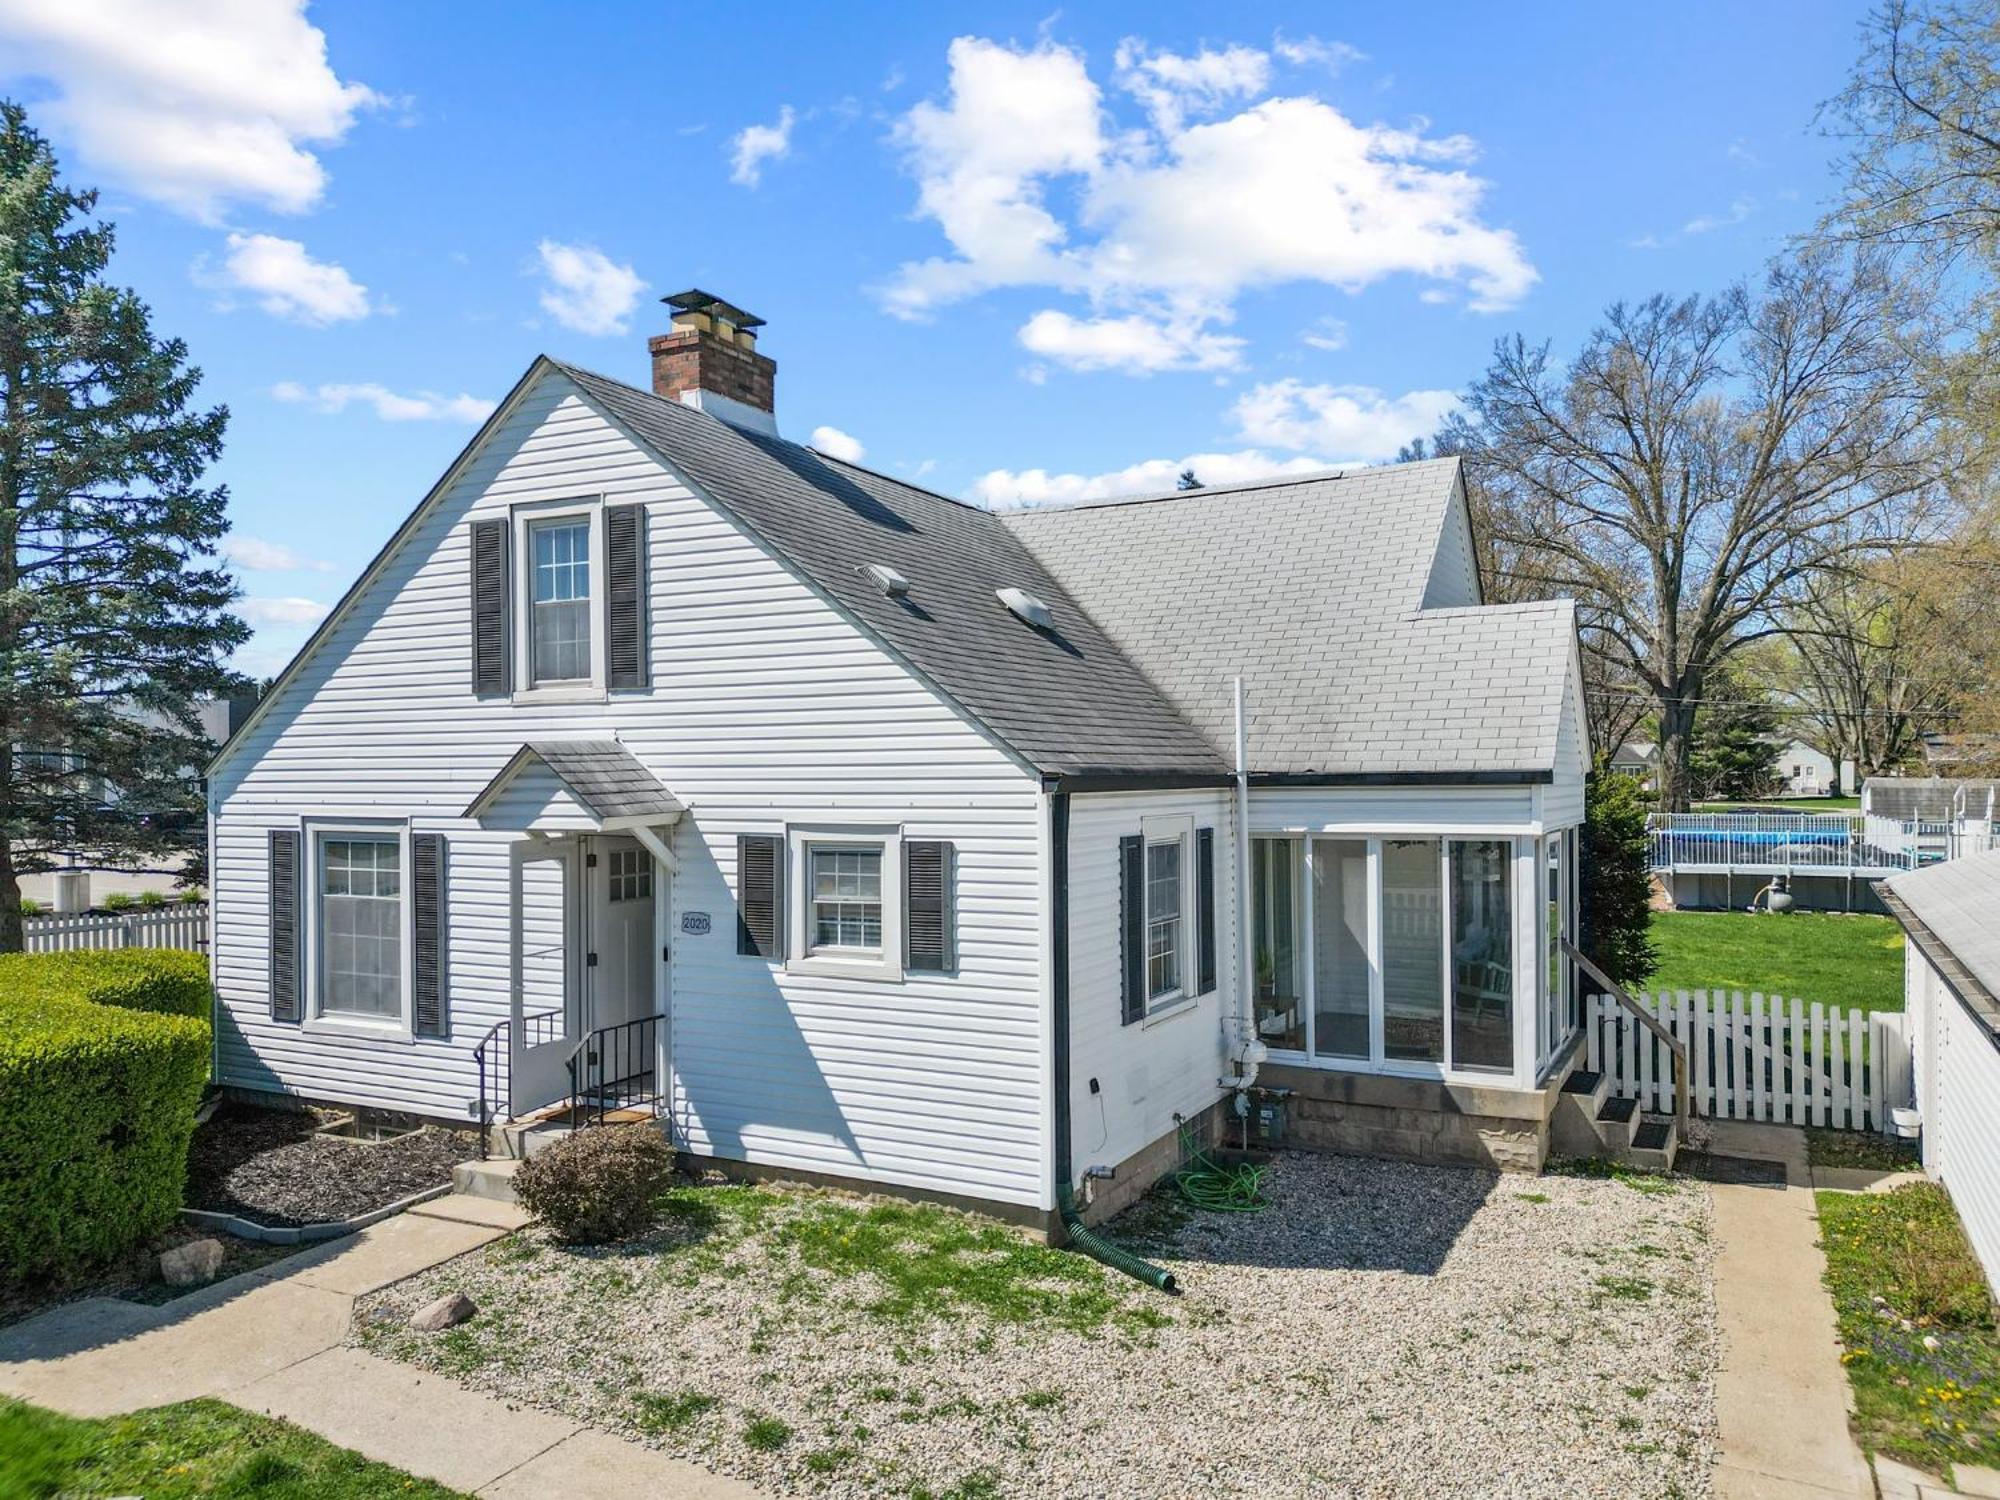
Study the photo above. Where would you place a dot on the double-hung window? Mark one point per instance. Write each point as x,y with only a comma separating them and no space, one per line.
359,885
845,900
1166,921
560,602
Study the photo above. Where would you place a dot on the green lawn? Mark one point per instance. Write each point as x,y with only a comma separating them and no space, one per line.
198,1448
1831,957
1785,804
1924,1361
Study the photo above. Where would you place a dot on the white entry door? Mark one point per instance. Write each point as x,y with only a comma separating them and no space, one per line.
624,956
545,973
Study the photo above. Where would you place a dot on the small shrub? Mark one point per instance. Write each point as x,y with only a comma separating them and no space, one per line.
152,898
103,1058
118,901
30,907
191,897
597,1185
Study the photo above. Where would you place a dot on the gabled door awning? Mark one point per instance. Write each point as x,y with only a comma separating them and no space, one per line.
556,786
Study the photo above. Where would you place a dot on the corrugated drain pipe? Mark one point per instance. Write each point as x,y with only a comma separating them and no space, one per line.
1080,1234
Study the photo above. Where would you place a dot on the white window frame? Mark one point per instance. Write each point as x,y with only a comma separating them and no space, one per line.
851,963
525,519
1170,830
316,832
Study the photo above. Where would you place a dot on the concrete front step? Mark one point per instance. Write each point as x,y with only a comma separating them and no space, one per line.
492,1179
1655,1141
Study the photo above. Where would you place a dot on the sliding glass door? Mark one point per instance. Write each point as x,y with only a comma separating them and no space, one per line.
1343,979
1412,951
1482,954
1274,924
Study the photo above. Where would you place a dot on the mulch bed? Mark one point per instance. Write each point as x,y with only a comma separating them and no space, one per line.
268,1166
134,1275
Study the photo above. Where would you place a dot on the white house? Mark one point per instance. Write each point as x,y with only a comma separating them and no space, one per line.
1950,913
891,840
1639,759
1807,772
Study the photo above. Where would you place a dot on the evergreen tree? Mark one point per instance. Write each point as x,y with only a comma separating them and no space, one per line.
1733,753
1188,481
1616,874
113,616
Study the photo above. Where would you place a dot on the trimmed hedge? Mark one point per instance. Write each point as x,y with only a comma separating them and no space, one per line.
103,1058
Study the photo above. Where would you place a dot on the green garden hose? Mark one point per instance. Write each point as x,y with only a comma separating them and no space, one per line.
1207,1184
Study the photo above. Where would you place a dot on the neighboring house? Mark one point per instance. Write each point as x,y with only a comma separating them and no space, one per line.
1807,772
1639,759
1951,1000
898,837
1962,754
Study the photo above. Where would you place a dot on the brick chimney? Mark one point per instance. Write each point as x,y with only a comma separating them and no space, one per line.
710,361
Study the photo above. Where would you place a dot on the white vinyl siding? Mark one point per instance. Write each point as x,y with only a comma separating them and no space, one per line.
766,709
1956,1073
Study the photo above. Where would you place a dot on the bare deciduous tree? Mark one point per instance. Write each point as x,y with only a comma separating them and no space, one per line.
1697,459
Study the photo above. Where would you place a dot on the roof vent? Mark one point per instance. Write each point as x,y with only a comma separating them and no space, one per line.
1028,607
887,579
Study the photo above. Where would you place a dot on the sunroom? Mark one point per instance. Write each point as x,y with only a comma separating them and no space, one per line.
1408,985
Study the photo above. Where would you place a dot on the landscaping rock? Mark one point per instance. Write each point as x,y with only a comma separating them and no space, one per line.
187,1265
446,1312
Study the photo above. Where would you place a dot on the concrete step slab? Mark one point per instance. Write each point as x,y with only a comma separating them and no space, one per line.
492,1180
489,1209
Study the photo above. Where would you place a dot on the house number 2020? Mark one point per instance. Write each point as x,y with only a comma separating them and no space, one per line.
694,923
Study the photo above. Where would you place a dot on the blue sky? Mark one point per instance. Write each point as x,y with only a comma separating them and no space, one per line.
1020,255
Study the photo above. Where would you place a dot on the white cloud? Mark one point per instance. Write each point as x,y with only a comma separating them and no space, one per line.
754,145
1325,333
1136,344
1739,209
193,103
837,444
1357,422
1007,489
390,406
256,555
286,281
1312,52
587,290
1034,181
292,611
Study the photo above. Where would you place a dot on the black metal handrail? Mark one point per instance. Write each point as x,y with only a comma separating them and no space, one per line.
616,1068
493,1058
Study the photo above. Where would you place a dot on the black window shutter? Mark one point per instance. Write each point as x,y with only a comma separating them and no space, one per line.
1204,866
929,912
286,1001
1132,924
492,655
427,897
760,895
625,584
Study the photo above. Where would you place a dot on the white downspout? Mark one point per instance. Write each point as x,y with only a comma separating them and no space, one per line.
1245,1047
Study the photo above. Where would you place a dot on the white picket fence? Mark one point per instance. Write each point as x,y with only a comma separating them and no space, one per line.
1756,1057
177,926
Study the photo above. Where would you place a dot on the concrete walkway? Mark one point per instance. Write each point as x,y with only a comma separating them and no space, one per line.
1781,1396
270,1341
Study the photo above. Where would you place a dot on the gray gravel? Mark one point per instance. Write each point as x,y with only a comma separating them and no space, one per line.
1383,1329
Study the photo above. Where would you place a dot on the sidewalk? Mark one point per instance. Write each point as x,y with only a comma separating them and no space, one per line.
270,1341
1781,1396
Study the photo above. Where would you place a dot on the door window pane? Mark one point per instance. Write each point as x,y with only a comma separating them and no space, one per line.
1340,947
1412,951
1554,1009
1163,919
630,875
847,898
1274,878
1482,955
561,607
361,927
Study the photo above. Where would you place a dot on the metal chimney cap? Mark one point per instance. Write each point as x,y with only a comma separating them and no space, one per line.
696,300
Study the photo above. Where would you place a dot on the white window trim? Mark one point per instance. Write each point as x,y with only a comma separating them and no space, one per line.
851,964
315,832
1169,830
524,517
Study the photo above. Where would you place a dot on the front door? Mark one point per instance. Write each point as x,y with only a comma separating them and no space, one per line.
622,968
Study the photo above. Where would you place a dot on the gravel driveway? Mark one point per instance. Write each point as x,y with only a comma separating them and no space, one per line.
1383,1329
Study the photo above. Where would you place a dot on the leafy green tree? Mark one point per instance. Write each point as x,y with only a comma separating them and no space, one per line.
1616,875
1734,749
113,617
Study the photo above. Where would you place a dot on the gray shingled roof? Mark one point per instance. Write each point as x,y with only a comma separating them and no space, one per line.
1956,906
1067,702
1313,591
609,780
